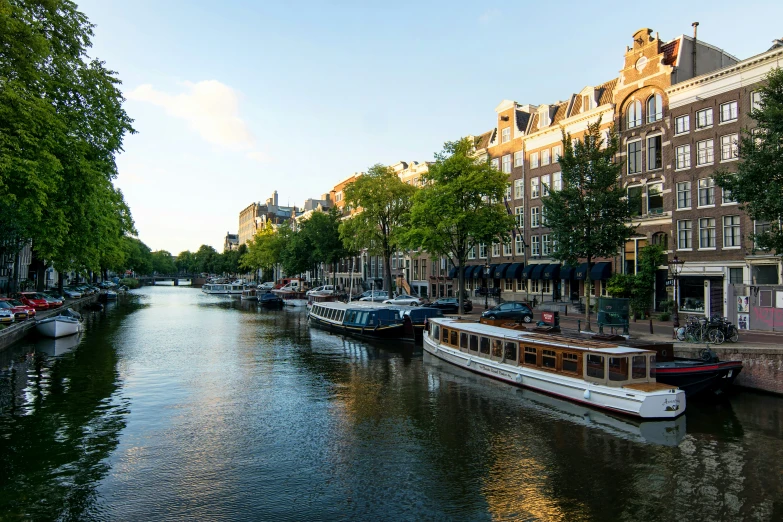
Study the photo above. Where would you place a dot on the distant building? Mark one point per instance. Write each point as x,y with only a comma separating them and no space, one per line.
255,216
231,242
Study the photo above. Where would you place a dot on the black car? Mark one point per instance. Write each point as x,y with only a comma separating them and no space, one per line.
450,305
515,311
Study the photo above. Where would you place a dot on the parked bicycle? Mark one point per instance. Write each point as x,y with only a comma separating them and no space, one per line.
715,330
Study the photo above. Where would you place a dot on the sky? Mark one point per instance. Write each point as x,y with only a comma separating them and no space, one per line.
235,99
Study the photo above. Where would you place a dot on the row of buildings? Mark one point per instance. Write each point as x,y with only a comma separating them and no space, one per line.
679,107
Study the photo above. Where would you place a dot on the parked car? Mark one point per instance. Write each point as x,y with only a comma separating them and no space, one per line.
325,289
266,286
375,295
6,316
33,299
514,311
17,303
72,293
20,311
450,305
404,299
54,302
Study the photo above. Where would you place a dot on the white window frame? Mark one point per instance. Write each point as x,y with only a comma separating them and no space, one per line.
535,246
706,187
710,237
546,245
660,152
545,184
472,252
755,100
495,162
557,181
495,249
507,248
557,151
685,234
519,158
519,216
505,135
729,111
545,157
658,185
534,160
705,152
682,124
482,250
657,100
518,245
506,164
729,147
682,157
704,118
639,163
732,238
535,217
519,188
684,187
534,188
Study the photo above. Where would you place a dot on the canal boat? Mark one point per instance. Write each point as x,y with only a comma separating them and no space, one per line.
223,288
600,374
249,294
270,300
361,320
59,326
704,377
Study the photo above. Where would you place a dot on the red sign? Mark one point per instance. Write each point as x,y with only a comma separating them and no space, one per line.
548,317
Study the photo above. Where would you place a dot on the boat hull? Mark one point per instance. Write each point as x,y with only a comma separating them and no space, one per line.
396,332
699,379
56,327
620,400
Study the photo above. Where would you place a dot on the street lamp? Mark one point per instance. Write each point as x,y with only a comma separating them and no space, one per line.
675,269
486,284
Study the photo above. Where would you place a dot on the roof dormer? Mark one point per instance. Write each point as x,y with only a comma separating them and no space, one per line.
544,116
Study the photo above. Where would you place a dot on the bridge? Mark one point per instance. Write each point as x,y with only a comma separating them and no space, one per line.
194,279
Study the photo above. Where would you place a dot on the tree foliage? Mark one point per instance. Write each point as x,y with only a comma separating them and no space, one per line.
383,202
758,183
163,262
589,217
639,287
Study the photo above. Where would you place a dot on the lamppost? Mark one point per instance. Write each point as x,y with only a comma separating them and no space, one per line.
486,283
675,269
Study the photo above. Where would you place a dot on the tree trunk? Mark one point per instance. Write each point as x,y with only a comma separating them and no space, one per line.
460,286
387,273
587,297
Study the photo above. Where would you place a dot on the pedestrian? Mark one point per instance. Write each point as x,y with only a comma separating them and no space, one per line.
535,301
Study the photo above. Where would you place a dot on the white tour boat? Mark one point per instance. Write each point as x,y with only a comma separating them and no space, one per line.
601,374
59,326
223,288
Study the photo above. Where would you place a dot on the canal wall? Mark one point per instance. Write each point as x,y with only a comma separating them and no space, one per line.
762,367
18,331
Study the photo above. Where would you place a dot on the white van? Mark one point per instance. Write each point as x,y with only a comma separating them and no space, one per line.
326,289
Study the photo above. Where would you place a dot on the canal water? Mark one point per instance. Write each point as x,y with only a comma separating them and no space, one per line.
175,405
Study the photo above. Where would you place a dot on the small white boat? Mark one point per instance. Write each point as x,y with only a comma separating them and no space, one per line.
110,295
295,302
223,289
249,294
59,326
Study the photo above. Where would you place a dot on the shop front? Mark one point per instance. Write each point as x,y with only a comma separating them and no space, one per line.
701,295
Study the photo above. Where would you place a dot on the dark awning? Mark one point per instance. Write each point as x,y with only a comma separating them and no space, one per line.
452,272
500,271
492,270
601,272
477,271
552,272
527,271
567,272
538,271
514,271
581,272
469,271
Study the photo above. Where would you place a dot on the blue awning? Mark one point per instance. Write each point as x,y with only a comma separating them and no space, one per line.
601,272
474,271
527,271
538,272
492,270
501,270
552,272
514,271
452,272
567,272
581,272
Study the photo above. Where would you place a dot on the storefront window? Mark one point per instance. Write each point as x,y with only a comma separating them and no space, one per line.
691,295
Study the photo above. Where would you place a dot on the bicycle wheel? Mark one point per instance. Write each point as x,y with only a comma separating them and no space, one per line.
733,334
715,336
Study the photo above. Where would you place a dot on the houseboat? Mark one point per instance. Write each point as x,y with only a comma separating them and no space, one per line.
223,288
604,375
249,294
361,320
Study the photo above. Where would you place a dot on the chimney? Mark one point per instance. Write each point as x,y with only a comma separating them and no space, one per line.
274,196
693,54
776,43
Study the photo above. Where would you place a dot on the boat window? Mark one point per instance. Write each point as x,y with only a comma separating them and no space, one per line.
463,340
445,335
595,366
530,356
474,343
497,348
341,316
549,359
362,316
454,338
436,332
570,362
652,367
484,348
639,367
618,368
511,351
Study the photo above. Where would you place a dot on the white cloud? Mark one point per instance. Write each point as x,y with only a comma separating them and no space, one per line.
211,108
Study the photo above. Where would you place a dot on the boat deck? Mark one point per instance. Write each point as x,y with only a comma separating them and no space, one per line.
649,386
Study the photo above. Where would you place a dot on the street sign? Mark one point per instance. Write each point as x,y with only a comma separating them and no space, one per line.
670,282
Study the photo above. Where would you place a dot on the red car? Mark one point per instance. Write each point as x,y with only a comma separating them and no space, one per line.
34,299
19,310
18,304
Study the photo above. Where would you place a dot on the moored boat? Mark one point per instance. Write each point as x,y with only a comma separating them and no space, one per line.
705,377
360,320
249,294
59,326
270,300
223,288
600,374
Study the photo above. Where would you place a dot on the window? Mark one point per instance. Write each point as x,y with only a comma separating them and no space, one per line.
453,338
704,118
495,249
654,160
519,215
755,100
707,233
634,157
570,362
505,135
704,152
472,253
661,239
634,114
510,351
545,185
543,216
482,250
519,188
684,195
518,245
535,246
534,160
508,193
507,164
534,188
549,359
618,368
735,276
760,228
530,356
728,147
727,197
507,248
595,366
635,200
545,160
682,124
557,151
484,345
655,198
473,347
495,163
654,108
535,217
706,192
731,232
445,335
508,284
546,245
533,285
683,157
728,111
638,367
684,234
519,158
557,181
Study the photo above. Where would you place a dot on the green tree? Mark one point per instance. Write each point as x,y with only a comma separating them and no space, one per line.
322,233
758,183
138,257
186,262
642,297
163,262
383,202
264,251
457,208
589,216
206,260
